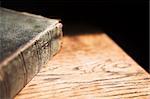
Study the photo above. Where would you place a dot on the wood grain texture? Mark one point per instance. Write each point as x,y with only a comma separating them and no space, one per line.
89,67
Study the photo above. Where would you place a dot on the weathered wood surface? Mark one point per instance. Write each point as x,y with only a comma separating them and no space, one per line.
89,67
27,42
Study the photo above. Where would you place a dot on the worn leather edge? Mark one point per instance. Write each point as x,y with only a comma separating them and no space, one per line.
21,67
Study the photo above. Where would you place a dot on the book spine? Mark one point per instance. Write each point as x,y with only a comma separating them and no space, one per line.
19,71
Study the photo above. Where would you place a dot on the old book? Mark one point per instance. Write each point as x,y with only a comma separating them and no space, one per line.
27,42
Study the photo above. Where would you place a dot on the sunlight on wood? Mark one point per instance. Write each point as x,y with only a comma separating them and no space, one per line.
89,67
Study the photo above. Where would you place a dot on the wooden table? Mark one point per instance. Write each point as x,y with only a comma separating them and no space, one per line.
89,67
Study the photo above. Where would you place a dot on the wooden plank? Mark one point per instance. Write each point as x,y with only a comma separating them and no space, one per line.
89,67
27,42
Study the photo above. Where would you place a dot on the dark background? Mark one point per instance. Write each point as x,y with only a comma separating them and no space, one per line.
126,22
